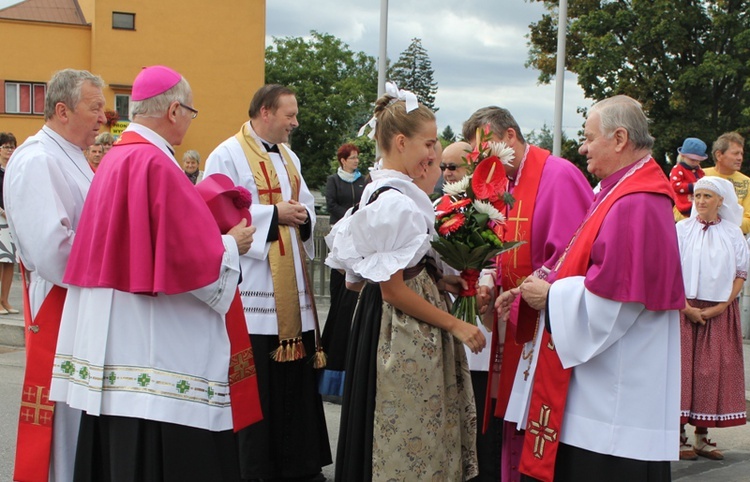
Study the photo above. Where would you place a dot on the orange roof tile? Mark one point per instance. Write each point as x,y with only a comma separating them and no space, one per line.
54,11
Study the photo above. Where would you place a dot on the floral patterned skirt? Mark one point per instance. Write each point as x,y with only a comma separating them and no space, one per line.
408,402
425,418
7,246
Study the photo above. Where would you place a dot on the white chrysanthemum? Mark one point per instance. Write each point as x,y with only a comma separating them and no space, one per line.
501,150
458,187
490,210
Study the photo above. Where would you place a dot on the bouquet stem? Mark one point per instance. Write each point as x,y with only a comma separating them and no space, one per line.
465,306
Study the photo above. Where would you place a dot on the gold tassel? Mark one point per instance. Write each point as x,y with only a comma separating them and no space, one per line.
320,359
300,350
289,350
278,354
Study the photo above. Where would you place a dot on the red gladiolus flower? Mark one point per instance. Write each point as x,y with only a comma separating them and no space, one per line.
473,156
488,181
452,224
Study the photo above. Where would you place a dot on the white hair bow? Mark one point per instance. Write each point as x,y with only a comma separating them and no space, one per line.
397,94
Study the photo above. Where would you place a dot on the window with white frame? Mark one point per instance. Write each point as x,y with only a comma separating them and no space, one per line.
24,97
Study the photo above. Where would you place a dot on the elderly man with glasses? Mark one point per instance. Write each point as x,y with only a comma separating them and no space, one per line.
145,346
452,165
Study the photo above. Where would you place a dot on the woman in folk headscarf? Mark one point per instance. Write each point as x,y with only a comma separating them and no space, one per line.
714,257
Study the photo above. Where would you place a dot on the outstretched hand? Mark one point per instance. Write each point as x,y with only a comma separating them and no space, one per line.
504,302
534,292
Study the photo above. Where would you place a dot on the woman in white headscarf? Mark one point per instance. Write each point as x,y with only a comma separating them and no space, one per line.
714,257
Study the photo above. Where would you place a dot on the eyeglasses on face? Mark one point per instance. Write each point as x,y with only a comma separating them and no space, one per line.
195,112
8,147
450,167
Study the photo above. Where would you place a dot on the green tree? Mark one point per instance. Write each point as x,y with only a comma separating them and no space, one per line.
568,149
335,90
413,71
448,135
686,61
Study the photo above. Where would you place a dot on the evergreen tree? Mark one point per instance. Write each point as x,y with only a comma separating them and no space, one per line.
448,135
413,71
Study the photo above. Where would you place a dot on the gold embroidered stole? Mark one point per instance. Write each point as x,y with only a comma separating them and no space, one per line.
280,253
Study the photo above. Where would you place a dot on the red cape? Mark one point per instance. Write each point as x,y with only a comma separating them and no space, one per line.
144,228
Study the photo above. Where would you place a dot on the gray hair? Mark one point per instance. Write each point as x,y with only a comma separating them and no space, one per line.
498,118
105,138
626,112
192,154
725,141
65,86
157,106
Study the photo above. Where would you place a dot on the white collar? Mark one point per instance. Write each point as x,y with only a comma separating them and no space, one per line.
154,138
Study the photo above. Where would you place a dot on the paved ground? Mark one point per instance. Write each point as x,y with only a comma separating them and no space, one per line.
735,441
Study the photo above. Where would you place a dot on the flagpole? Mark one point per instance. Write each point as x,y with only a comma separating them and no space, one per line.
562,22
383,50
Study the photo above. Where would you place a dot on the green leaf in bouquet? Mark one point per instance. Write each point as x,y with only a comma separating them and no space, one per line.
455,254
508,199
480,219
480,254
476,239
507,246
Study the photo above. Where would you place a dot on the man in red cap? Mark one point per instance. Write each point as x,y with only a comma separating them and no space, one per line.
291,443
45,187
144,349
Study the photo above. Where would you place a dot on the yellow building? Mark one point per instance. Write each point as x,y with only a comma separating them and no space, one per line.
218,46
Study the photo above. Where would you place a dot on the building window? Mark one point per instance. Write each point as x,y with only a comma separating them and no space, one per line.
122,106
124,21
24,97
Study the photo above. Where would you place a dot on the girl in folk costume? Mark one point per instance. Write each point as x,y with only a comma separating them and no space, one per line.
408,411
714,258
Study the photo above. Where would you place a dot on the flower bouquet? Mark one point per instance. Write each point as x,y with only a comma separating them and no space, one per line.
469,218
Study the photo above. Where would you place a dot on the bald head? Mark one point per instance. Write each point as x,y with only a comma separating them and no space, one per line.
452,162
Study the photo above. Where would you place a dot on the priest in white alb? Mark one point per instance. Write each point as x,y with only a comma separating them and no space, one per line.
292,441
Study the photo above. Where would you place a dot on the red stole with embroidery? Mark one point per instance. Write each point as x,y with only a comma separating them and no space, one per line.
551,380
514,267
34,443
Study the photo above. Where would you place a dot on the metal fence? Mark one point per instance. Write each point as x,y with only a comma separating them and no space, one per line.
317,270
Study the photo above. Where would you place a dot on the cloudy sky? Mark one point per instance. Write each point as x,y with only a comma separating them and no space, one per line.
478,50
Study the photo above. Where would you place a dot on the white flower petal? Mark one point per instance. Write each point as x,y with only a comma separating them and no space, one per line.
501,150
458,187
490,210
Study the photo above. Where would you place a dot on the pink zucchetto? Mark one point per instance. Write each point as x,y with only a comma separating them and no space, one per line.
152,81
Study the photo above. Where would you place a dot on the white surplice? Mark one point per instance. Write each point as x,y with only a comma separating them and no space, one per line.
162,358
46,182
257,284
612,345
